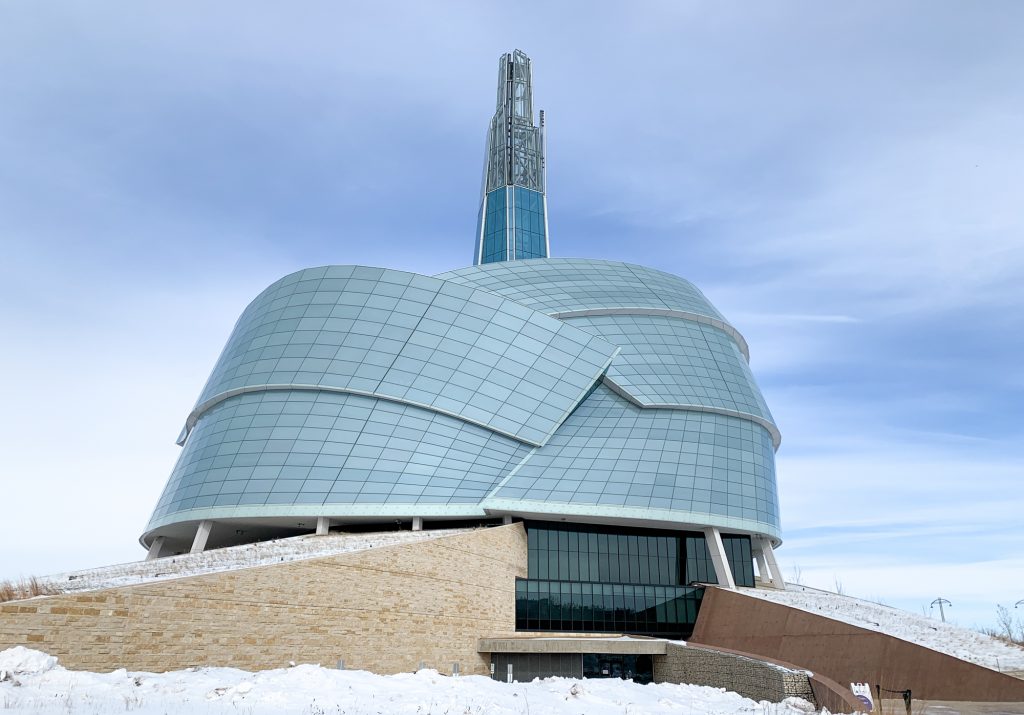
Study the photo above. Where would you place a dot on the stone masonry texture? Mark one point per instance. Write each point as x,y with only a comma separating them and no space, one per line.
384,609
750,678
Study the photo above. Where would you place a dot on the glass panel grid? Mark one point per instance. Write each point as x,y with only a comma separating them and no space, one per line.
305,447
610,452
666,360
606,579
530,237
554,285
496,226
413,338
666,611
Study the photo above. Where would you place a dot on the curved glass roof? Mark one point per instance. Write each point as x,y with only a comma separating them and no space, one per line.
577,388
559,285
667,361
415,339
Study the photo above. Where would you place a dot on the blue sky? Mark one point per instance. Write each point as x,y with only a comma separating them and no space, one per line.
844,181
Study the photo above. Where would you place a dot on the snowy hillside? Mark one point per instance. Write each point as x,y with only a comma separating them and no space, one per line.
943,637
234,557
36,683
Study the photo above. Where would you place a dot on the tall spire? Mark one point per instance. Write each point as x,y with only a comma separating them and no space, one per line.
513,221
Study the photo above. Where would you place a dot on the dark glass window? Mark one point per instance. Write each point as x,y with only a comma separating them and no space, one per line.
600,579
741,560
495,246
669,611
530,241
699,567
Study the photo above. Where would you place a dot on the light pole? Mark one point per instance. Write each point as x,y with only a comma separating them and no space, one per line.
1018,603
942,601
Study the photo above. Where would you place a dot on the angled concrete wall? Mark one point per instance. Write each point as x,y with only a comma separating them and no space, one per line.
844,652
384,609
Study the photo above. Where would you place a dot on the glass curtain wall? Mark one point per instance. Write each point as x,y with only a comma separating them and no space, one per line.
527,234
602,579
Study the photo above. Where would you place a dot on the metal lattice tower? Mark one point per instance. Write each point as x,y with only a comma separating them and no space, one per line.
513,211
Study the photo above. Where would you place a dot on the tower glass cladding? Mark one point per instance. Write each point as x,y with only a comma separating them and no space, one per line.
513,212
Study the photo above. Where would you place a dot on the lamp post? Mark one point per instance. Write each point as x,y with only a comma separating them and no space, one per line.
1018,603
942,601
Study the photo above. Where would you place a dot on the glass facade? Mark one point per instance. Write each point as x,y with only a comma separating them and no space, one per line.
495,231
347,390
513,217
695,467
665,611
414,339
586,578
292,448
741,559
530,228
561,285
667,360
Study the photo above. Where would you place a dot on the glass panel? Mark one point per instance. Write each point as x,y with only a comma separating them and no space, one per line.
608,579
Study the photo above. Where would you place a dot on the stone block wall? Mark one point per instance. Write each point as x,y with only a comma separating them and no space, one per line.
384,609
755,679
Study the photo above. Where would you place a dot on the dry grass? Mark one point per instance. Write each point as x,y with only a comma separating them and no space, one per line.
26,588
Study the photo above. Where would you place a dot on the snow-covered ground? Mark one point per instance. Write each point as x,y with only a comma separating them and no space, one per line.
946,638
34,682
234,557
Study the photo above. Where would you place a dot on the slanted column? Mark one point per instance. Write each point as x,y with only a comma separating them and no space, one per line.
323,526
762,566
717,551
202,534
417,523
155,548
768,555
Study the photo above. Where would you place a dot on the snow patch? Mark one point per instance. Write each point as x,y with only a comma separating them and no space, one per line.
958,642
263,553
47,689
20,660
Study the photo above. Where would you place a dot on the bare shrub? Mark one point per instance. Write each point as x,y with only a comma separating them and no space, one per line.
1009,629
26,588
797,576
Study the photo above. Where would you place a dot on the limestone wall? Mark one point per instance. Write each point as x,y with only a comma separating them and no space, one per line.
384,609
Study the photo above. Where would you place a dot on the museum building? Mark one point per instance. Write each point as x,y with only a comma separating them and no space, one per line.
607,406
530,466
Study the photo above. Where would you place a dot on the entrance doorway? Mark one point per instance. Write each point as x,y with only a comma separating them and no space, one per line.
638,668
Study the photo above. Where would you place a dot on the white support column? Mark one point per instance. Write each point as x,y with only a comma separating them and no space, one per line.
762,567
768,554
717,551
155,548
323,526
202,534
507,519
417,523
